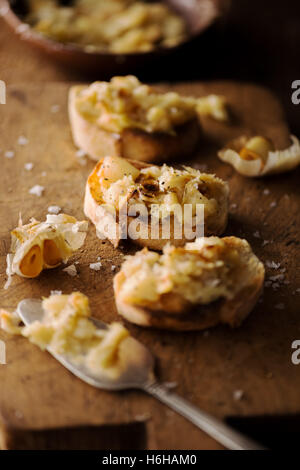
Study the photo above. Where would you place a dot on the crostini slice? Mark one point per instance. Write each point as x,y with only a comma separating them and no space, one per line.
208,282
129,119
158,193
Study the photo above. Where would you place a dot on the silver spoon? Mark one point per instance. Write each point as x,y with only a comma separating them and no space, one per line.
140,376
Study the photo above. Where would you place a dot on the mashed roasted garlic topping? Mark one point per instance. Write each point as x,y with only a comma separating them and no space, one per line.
118,26
44,245
66,329
125,102
161,188
256,156
200,273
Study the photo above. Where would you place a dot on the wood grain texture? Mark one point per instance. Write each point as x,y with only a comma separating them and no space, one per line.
39,398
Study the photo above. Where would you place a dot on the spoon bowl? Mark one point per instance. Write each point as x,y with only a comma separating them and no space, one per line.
139,375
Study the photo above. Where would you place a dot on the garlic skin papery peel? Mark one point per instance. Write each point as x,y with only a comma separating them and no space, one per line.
44,245
257,156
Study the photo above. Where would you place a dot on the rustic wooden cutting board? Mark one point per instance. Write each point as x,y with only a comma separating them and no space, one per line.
41,404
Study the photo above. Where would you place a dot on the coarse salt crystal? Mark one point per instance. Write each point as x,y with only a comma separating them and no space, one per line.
37,190
55,108
256,234
96,266
28,166
22,140
266,192
55,292
71,270
113,267
54,209
273,204
9,154
272,265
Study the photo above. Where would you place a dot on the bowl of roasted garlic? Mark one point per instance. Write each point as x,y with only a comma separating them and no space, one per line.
116,36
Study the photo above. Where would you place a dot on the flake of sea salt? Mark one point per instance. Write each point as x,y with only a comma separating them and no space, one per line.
37,190
9,154
22,140
55,108
54,210
71,270
272,265
273,204
55,292
96,266
28,166
266,192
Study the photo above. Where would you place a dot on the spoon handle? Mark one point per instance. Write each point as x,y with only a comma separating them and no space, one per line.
215,428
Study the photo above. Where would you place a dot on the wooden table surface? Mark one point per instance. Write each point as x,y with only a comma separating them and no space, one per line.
20,64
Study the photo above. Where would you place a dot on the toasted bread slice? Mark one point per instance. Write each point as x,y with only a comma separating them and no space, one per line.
174,312
95,208
131,143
